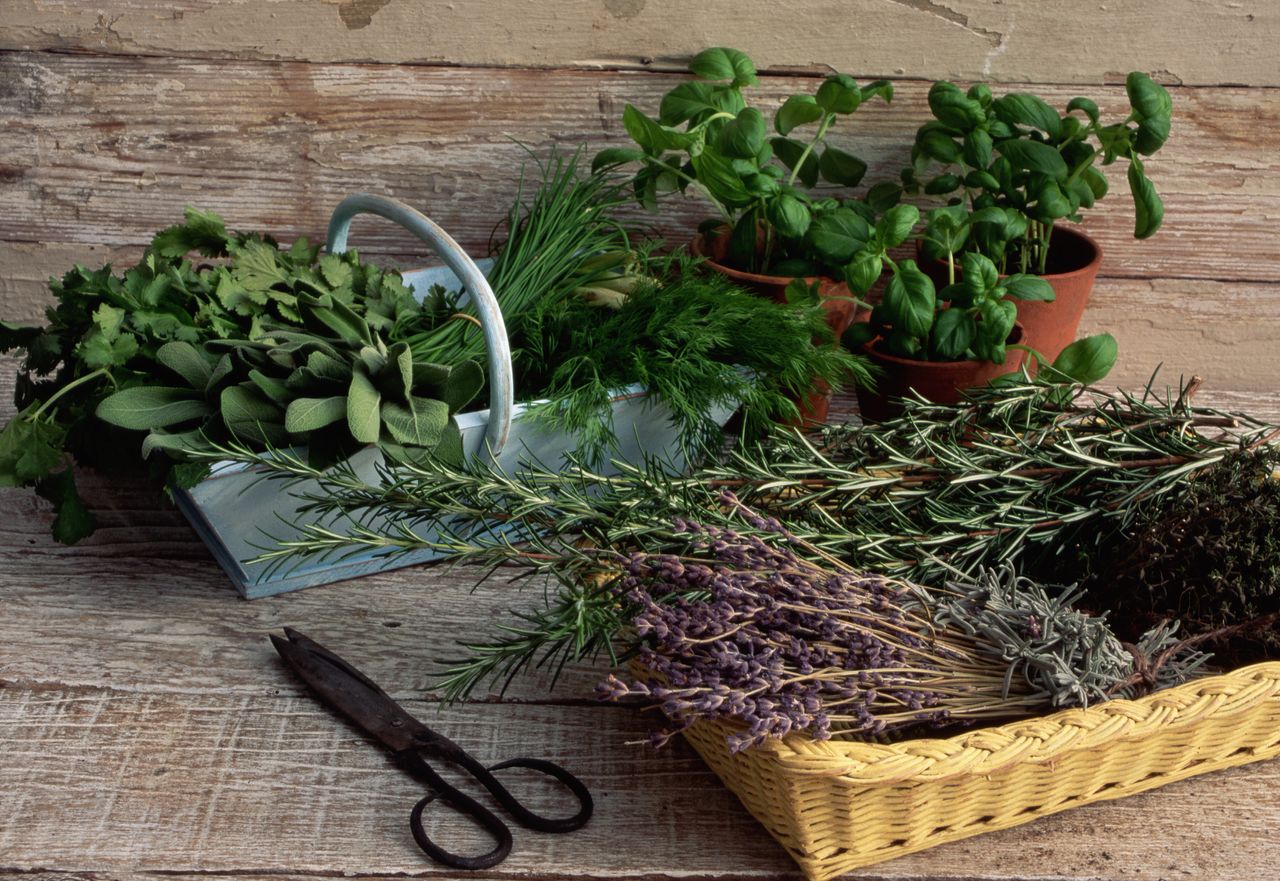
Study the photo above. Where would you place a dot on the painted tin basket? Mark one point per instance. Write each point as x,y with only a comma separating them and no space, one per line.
236,513
838,805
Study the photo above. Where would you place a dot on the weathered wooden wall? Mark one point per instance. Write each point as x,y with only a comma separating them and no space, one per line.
115,115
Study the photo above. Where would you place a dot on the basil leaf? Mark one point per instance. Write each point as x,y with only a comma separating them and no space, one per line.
1021,286
910,300
953,108
1088,360
1084,104
864,271
836,236
789,216
789,152
1148,209
952,334
980,274
1023,109
721,63
1034,156
839,93
743,136
896,224
797,110
1146,96
688,102
839,167
612,157
716,173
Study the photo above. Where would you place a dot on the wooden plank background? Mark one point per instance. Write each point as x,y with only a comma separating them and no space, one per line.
148,729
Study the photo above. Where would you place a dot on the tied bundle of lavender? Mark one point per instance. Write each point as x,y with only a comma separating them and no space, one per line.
744,629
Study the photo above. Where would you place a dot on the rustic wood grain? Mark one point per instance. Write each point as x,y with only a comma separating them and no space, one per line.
1214,43
106,150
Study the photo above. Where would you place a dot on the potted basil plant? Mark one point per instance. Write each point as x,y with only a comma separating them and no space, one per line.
1014,169
936,343
771,224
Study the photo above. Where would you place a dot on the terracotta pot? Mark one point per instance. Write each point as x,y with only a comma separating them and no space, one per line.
1073,265
839,311
836,303
942,382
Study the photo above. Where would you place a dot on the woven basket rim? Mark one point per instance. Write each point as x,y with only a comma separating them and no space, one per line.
1034,739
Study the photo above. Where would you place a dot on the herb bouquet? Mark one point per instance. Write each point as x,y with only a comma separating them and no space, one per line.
761,605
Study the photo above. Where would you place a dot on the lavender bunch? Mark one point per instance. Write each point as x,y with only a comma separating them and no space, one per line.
744,628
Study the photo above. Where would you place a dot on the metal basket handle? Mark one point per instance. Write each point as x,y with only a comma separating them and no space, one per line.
501,377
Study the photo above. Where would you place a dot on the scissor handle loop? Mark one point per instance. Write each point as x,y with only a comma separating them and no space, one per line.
463,804
528,818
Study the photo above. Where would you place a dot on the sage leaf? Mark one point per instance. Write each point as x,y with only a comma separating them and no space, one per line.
145,407
308,414
187,361
363,401
248,415
419,423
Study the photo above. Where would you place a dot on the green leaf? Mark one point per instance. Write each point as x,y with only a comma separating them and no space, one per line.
977,149
880,88
1148,97
896,224
857,336
174,442
952,334
336,271
910,300
363,401
716,173
257,266
328,367
998,317
73,521
1148,209
96,350
836,236
883,196
789,152
1021,286
800,292
864,271
1028,110
277,391
308,414
30,449
1089,108
1152,133
110,320
644,131
611,157
146,407
743,136
420,423
943,184
839,167
689,102
1096,181
250,416
796,111
202,231
789,216
980,274
1051,202
839,93
724,64
464,383
954,108
1088,360
938,145
188,362
1034,156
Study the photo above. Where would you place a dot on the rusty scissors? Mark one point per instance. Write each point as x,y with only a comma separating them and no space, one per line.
413,744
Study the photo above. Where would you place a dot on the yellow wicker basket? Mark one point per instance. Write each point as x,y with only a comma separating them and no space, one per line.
838,805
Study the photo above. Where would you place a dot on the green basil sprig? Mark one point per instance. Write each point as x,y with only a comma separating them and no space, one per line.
1018,154
708,139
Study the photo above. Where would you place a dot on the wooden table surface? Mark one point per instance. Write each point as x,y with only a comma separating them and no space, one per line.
148,729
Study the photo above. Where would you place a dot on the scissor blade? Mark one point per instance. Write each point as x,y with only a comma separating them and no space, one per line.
349,691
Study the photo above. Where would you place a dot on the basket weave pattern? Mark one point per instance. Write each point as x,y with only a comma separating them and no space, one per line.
838,805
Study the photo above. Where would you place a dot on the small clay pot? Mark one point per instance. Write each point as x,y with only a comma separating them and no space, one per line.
942,382
1074,259
834,295
837,301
